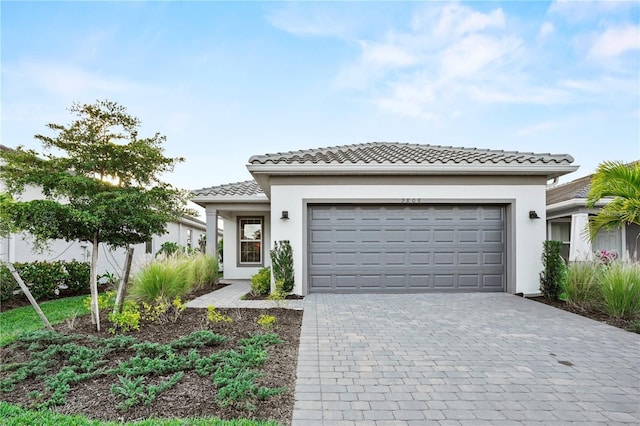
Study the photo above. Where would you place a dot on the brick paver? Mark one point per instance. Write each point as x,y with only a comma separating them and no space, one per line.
473,359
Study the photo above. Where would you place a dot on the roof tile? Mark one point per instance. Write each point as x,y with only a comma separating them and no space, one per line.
395,152
247,188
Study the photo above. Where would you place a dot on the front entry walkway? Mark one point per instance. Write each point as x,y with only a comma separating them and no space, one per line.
476,359
230,297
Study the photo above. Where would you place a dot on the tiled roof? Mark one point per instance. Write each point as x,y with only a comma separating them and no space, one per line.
578,188
247,188
397,153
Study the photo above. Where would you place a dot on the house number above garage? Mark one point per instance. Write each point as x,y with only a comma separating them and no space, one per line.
410,200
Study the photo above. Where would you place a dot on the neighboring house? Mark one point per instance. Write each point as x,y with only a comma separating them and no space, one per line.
19,247
567,219
390,217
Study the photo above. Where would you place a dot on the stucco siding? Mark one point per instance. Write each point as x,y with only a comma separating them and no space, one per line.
525,236
232,270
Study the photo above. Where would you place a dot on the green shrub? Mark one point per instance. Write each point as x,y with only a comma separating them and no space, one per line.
621,290
282,262
168,249
78,276
261,282
7,284
582,286
161,280
204,270
553,276
45,278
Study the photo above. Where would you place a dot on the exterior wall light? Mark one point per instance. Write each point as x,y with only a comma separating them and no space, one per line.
533,214
285,215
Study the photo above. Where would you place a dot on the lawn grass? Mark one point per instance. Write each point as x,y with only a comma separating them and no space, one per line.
12,415
25,319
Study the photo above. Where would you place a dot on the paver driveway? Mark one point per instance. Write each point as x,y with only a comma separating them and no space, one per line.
461,359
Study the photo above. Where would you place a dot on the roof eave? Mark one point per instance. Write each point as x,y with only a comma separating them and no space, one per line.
203,200
550,171
575,203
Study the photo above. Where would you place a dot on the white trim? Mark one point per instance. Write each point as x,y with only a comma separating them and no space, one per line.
412,168
575,202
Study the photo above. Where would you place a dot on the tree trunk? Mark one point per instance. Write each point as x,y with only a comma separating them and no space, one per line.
95,312
122,288
27,293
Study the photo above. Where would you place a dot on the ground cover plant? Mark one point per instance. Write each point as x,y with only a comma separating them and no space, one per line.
191,367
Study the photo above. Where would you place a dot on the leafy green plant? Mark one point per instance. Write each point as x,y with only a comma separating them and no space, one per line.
621,290
214,315
634,326
261,282
162,279
108,279
282,263
106,300
127,320
554,274
161,311
266,321
78,276
8,285
168,248
582,286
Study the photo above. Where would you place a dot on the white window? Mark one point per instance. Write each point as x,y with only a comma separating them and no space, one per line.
250,241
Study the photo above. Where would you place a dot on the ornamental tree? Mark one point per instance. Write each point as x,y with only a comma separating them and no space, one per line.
100,181
621,183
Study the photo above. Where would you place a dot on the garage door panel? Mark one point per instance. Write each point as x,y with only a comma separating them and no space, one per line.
468,281
406,248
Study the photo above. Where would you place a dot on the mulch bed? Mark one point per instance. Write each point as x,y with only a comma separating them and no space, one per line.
194,395
593,314
251,296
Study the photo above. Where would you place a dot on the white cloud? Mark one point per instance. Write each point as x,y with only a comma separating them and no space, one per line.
547,28
616,41
454,20
472,54
67,81
386,55
321,22
581,11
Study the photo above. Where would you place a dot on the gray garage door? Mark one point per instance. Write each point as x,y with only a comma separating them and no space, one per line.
406,248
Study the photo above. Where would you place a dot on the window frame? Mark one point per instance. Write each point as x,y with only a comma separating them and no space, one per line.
239,241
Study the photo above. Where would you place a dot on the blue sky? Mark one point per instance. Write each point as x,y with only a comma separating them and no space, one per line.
224,81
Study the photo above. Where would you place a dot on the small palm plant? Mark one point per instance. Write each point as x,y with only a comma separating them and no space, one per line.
618,181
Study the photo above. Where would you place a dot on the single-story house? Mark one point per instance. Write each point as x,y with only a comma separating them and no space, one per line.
567,218
390,217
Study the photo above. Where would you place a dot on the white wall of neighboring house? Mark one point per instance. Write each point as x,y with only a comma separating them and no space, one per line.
19,247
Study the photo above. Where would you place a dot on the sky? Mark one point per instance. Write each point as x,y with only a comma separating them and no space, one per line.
224,81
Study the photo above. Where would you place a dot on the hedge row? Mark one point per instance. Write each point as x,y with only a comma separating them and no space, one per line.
45,279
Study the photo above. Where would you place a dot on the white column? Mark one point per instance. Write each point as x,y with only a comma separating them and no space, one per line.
212,231
580,247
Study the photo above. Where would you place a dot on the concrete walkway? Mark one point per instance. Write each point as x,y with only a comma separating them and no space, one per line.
461,359
229,297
